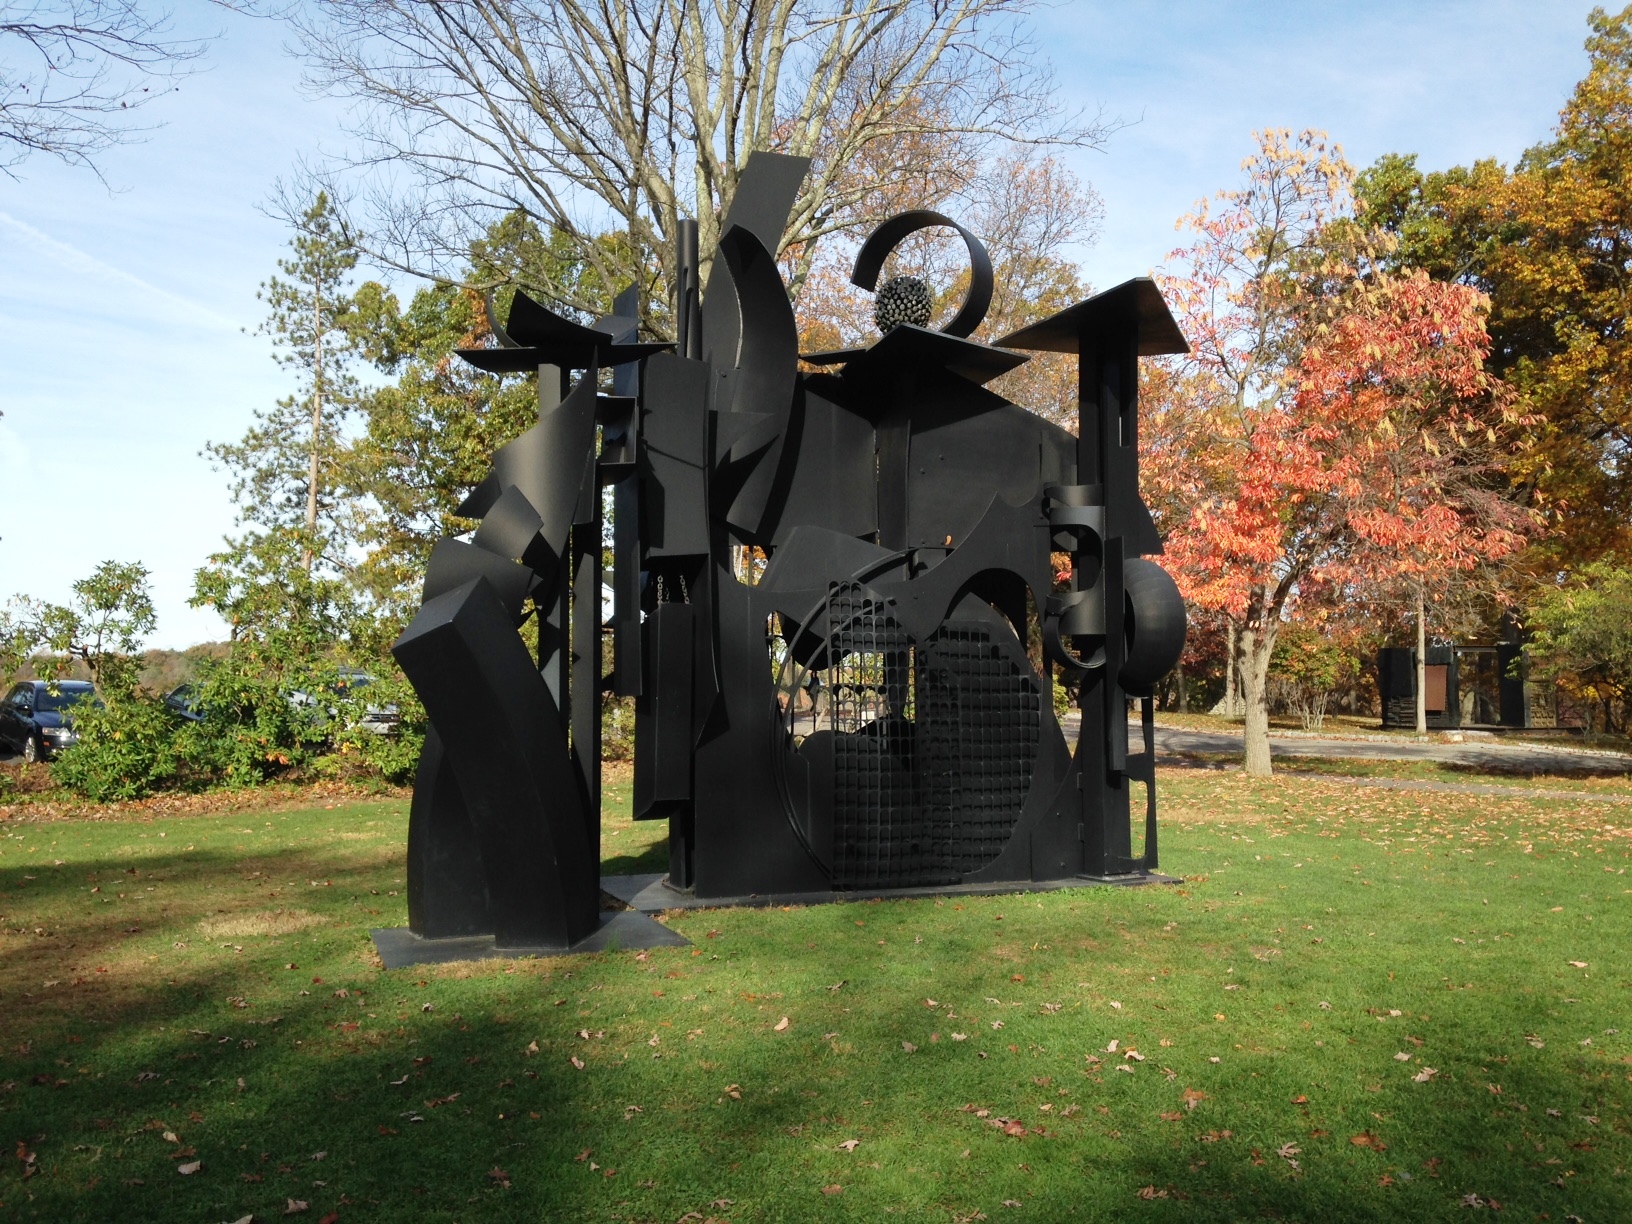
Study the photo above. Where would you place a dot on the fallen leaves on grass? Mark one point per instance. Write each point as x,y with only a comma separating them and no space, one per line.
1151,1192
1367,1139
1423,1076
1193,1097
850,1145
909,1047
832,1190
781,1026
577,1062
734,1091
295,1206
189,1168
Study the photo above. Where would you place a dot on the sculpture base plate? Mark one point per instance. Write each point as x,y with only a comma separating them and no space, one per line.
399,947
651,894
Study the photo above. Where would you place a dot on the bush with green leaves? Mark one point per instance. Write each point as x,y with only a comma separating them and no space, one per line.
253,727
262,716
1581,639
127,748
1309,666
358,748
617,728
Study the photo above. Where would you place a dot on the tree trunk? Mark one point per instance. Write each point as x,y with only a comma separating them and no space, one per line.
317,424
1422,664
1229,671
1256,647
1184,691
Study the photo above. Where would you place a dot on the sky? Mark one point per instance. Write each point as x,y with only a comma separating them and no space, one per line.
128,311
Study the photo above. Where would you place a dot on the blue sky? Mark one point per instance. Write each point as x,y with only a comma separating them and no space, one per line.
127,317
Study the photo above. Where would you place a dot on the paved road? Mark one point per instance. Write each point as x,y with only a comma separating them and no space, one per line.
1491,755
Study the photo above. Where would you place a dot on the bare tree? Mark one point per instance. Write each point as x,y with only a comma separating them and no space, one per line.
73,72
619,117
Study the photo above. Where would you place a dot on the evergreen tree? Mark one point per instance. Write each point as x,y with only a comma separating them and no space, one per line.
284,466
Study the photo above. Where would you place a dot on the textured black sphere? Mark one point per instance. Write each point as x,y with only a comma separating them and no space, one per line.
902,299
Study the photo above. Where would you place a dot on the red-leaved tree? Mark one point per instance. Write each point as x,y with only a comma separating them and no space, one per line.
1330,443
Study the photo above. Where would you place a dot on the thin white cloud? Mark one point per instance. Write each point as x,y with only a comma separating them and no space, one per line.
81,264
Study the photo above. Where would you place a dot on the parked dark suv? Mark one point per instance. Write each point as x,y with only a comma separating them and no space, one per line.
35,717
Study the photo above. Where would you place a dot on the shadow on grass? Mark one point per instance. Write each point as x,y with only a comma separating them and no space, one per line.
451,1093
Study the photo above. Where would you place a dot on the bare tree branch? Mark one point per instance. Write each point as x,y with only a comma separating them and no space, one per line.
597,116
73,72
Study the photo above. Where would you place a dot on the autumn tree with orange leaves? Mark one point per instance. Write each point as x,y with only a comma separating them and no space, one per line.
1333,438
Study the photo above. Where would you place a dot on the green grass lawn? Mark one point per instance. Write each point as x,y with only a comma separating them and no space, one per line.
1360,1005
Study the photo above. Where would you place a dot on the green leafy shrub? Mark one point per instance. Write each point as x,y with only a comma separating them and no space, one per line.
617,728
254,725
1581,639
1307,668
359,749
126,749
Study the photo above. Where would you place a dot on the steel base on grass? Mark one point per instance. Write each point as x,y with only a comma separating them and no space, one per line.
399,947
652,894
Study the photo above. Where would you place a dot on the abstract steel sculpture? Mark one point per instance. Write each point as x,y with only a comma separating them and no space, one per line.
852,707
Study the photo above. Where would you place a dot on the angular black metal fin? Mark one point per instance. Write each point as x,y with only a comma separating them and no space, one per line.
462,654
547,462
478,501
512,528
447,882
767,363
453,563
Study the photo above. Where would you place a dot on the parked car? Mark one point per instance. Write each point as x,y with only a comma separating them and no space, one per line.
381,720
35,717
183,699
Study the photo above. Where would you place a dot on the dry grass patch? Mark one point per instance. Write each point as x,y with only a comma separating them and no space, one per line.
262,922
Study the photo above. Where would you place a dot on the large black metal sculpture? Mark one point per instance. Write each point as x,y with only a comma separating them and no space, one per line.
825,584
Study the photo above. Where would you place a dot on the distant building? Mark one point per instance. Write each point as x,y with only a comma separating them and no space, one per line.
1464,686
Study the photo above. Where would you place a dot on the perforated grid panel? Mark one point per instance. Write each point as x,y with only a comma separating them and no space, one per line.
978,731
934,746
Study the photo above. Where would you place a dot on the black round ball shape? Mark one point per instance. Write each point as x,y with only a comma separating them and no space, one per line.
902,299
1155,625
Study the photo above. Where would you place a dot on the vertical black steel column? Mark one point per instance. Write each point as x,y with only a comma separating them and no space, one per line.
586,653
626,522
553,654
688,292
1108,381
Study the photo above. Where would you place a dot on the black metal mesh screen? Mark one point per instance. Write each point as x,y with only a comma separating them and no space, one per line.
978,727
880,839
933,745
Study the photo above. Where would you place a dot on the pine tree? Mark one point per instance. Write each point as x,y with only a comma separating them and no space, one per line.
283,467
